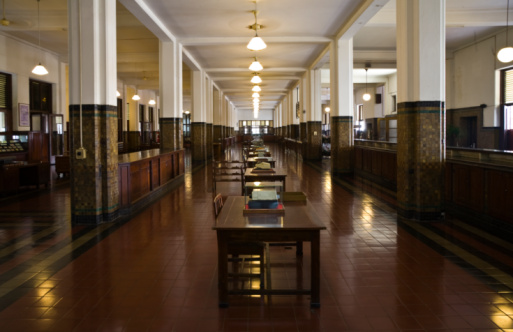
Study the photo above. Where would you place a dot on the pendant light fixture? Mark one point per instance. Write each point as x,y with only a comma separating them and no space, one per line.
39,69
256,66
152,102
256,43
506,53
256,88
255,95
256,79
366,96
136,96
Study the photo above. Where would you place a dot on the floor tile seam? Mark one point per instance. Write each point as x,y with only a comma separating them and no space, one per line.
470,249
29,240
95,237
465,256
387,207
500,255
14,282
31,214
489,237
473,261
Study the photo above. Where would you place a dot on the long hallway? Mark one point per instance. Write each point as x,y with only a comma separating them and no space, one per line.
158,270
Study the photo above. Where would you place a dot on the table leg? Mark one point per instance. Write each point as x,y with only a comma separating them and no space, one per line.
315,301
299,248
222,259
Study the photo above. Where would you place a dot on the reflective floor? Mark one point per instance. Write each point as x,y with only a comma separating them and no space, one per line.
158,271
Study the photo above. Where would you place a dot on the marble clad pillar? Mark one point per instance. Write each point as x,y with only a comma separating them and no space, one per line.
341,138
198,141
314,140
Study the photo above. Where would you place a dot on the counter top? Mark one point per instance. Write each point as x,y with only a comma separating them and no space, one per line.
141,155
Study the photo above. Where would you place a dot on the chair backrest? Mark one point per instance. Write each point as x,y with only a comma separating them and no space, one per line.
218,204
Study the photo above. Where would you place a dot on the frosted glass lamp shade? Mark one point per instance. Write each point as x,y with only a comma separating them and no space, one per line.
256,44
39,70
505,55
256,79
256,88
136,97
256,66
366,96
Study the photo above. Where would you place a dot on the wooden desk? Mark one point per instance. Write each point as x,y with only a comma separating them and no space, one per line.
278,175
295,225
255,154
252,161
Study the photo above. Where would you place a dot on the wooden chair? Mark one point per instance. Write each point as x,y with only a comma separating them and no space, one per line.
241,252
227,171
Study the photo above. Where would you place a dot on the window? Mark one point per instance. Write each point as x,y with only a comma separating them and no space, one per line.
5,102
40,97
508,87
141,117
187,125
120,120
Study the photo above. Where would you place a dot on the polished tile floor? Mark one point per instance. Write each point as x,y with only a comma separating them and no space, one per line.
158,271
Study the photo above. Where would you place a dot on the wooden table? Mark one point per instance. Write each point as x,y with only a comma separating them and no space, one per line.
253,161
255,154
278,175
295,225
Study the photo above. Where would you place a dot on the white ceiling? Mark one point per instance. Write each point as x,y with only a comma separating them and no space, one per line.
215,33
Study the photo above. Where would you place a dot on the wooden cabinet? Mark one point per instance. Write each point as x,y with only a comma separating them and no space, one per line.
15,176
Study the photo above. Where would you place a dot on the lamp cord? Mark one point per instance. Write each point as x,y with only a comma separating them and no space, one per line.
80,67
507,23
366,78
38,29
256,20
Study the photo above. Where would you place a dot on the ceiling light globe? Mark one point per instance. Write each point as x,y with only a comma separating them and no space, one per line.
366,96
39,70
255,95
256,79
505,55
327,109
256,66
256,44
256,88
136,97
152,102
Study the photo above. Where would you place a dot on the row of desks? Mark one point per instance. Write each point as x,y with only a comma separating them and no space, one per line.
295,225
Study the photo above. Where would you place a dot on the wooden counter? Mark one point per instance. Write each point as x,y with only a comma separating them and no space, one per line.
144,173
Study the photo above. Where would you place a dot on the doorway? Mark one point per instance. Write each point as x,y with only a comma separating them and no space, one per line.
468,127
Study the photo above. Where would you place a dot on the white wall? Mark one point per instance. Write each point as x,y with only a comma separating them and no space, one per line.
471,78
18,59
248,115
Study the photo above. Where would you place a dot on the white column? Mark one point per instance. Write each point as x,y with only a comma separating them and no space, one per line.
97,54
315,91
341,78
198,113
216,107
305,96
420,50
170,79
